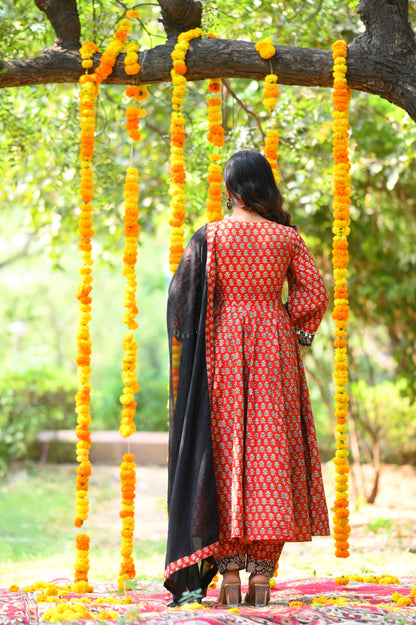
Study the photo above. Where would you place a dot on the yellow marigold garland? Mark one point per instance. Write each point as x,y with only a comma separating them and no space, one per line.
342,191
128,485
216,137
177,142
266,50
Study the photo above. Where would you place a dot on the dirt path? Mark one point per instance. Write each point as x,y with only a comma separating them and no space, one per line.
383,536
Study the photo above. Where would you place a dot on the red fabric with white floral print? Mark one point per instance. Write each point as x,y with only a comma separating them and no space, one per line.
269,482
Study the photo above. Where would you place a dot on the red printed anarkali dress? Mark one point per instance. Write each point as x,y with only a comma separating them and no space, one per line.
241,417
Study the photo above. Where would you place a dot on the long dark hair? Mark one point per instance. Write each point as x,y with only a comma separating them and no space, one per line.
250,181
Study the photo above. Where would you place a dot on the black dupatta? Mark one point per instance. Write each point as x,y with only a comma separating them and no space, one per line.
192,500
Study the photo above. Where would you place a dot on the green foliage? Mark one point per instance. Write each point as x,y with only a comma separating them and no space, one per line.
31,400
151,413
386,415
379,524
24,31
39,195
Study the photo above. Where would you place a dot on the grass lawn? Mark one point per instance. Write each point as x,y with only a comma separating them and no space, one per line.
37,535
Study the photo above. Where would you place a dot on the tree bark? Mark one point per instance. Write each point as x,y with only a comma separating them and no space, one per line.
64,18
382,60
179,16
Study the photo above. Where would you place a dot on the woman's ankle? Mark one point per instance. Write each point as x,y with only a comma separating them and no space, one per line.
231,577
258,578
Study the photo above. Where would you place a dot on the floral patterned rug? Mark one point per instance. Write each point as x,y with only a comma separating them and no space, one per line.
293,602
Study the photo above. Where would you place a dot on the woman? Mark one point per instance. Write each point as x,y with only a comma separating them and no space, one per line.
244,471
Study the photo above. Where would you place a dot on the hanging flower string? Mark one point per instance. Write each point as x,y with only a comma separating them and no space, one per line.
128,485
216,137
266,50
131,232
177,142
88,94
129,373
82,564
341,229
89,90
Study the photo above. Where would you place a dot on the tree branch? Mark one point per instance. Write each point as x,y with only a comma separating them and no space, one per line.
22,253
245,108
179,16
64,18
388,71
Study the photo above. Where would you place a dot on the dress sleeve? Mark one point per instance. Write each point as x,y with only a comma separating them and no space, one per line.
308,296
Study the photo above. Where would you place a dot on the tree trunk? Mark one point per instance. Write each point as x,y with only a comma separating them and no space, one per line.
377,472
357,474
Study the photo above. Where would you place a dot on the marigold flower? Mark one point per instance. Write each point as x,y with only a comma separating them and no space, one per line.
266,48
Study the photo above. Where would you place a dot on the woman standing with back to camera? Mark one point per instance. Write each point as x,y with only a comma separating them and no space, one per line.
244,471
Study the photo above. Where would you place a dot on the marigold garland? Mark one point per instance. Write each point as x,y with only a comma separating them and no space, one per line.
266,50
342,191
131,232
176,360
129,372
88,94
128,485
216,137
177,142
82,562
134,113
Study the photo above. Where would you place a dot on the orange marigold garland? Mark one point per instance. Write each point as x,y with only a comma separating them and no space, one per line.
341,229
133,112
177,142
88,94
129,373
82,562
114,48
266,50
176,361
216,137
128,485
131,232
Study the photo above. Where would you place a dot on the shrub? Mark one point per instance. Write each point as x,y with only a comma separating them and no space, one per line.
32,400
386,415
151,413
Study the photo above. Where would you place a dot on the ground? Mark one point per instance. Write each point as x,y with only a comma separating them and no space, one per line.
381,534
383,537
